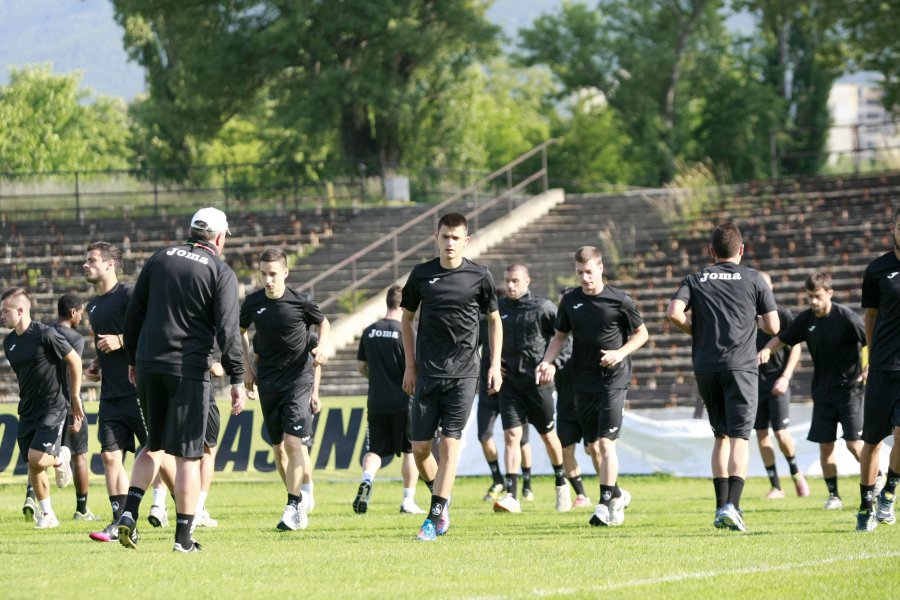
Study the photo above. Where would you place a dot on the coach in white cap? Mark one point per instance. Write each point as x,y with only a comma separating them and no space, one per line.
184,299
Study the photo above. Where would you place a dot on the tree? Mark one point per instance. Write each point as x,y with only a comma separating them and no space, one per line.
48,122
874,44
346,66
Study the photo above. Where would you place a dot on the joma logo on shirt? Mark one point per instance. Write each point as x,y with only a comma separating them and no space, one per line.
378,333
184,253
706,276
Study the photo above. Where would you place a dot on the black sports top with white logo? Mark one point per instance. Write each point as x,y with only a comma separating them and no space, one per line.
834,342
282,336
724,300
107,316
601,322
773,369
451,301
881,290
381,347
36,357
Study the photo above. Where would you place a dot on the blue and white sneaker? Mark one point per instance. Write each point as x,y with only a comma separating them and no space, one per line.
885,508
732,518
719,521
443,522
363,495
428,533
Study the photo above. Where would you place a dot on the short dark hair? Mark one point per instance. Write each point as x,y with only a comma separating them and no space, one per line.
66,304
586,253
204,235
394,295
452,221
726,240
108,252
273,255
16,291
518,267
818,281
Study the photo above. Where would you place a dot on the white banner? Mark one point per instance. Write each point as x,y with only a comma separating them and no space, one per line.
668,440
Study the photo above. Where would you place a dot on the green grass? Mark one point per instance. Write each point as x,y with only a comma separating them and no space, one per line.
667,547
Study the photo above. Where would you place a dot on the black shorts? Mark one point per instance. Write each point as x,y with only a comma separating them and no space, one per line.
176,410
287,411
76,442
600,414
881,410
388,434
441,401
772,411
41,437
567,426
213,423
523,402
119,422
731,398
487,411
825,419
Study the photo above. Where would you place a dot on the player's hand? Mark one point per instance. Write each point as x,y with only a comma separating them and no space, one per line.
108,342
544,372
132,375
237,399
610,358
315,405
409,380
250,383
781,386
494,380
864,376
319,356
92,373
216,370
77,414
763,356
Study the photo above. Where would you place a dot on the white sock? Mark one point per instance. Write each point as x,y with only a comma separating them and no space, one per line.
368,476
46,507
307,488
201,502
409,493
159,497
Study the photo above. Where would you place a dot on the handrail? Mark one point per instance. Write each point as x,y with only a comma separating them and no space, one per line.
392,237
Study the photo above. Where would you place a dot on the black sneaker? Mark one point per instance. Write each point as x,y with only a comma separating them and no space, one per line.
128,535
361,502
194,547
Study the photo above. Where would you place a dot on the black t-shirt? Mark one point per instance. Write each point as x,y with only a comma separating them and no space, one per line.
528,326
381,347
77,342
282,336
107,316
881,290
601,322
725,299
36,357
834,342
773,369
451,302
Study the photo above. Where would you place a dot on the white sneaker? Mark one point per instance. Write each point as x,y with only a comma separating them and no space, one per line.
63,469
303,512
834,503
601,516
563,498
202,519
618,507
507,504
159,516
47,521
410,507
290,519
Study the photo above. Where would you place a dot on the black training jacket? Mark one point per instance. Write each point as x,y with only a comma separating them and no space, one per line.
184,298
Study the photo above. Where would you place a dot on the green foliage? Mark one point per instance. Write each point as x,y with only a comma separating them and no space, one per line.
48,122
794,549
872,29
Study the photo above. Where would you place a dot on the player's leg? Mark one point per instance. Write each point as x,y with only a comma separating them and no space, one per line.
187,492
767,453
886,499
788,449
487,411
541,414
208,465
370,464
409,474
527,462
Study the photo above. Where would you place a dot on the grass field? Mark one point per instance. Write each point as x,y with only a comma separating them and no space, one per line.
667,547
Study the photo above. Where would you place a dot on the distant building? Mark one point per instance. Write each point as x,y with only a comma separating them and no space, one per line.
863,133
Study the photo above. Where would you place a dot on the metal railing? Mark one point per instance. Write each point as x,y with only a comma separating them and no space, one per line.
397,256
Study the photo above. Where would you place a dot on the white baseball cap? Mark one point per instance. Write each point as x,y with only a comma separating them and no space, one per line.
210,219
